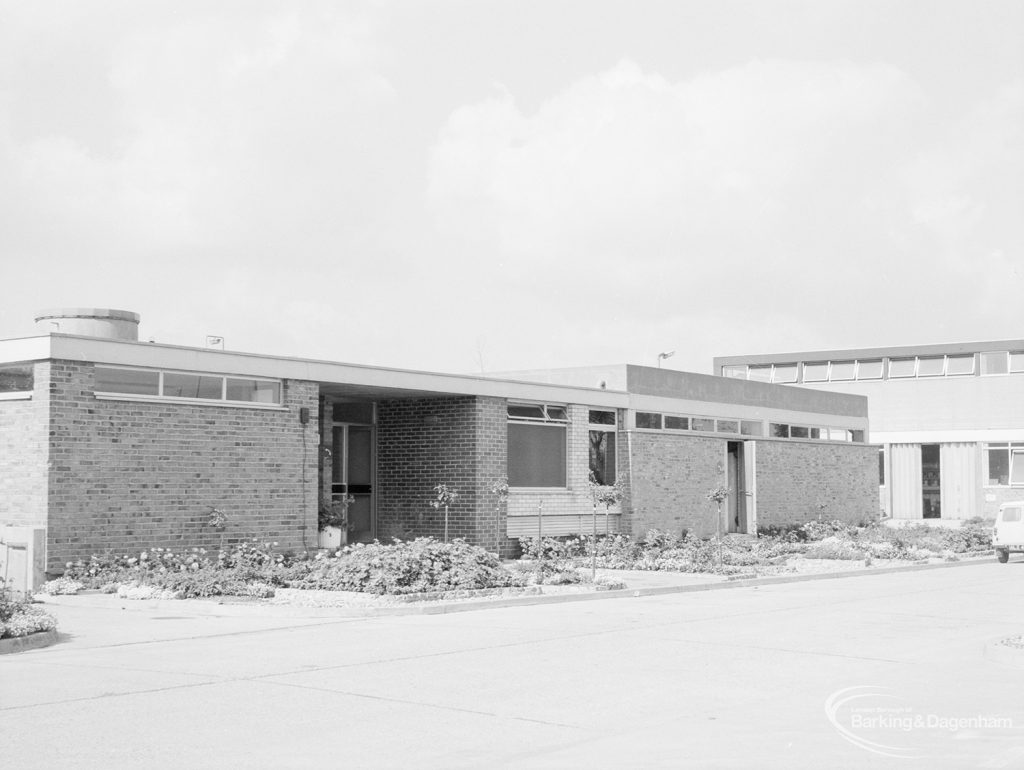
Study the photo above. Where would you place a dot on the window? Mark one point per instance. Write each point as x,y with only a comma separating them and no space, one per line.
869,370
778,430
959,365
995,363
602,447
902,367
16,378
672,422
751,428
816,372
843,370
344,411
784,373
881,467
193,386
1011,514
931,366
132,381
648,420
1017,362
536,445
761,373
799,431
705,424
727,426
186,385
1005,464
736,371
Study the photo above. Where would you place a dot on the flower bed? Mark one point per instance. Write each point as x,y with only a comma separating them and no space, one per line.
419,566
774,548
19,618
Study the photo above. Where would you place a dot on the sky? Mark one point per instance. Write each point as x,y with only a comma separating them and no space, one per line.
482,185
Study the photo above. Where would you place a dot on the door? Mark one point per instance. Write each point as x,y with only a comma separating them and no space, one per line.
750,484
352,479
737,480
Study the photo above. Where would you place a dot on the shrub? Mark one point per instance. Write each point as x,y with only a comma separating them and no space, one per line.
416,566
834,547
61,586
19,617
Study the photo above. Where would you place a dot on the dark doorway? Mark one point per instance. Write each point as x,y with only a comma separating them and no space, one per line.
736,505
931,481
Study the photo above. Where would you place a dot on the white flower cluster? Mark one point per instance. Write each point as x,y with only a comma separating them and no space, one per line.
27,620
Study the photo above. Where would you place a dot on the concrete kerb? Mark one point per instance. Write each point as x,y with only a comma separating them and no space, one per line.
235,609
30,642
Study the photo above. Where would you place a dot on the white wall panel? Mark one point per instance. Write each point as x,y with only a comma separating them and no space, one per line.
958,471
906,481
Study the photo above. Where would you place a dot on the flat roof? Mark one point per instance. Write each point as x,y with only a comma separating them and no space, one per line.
893,351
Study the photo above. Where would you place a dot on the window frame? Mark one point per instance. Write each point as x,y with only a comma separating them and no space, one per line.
19,395
1012,450
159,397
610,451
549,421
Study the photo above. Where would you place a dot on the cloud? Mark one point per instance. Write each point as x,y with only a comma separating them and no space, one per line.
810,194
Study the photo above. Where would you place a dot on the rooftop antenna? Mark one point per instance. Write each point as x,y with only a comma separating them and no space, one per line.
213,341
663,356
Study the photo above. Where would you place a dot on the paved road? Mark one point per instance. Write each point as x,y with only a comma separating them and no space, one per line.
734,678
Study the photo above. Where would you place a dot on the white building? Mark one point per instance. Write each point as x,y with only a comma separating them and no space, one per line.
949,418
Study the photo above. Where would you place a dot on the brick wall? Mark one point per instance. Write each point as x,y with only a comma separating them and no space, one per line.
24,454
126,475
671,475
423,442
797,481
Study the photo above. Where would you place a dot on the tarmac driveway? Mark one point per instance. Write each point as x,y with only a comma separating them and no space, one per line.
871,671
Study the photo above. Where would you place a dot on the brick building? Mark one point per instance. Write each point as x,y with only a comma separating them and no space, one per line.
107,443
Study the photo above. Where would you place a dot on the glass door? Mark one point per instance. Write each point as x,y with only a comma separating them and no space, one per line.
352,478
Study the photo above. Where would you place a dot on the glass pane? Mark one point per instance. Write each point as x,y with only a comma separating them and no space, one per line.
602,457
702,423
727,426
816,432
536,455
959,364
842,370
857,436
602,418
1017,362
816,372
258,391
902,367
526,411
930,367
799,431
677,423
352,412
127,381
738,372
751,428
192,386
931,481
881,467
15,378
778,430
869,370
998,467
1017,467
995,363
649,420
360,456
557,413
760,373
784,373
1010,514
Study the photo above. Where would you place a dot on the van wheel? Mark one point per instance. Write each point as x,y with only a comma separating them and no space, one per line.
1002,556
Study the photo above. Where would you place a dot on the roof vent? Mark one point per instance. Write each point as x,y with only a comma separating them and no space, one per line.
90,322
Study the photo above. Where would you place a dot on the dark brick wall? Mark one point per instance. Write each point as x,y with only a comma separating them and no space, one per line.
671,475
798,481
24,454
126,475
458,441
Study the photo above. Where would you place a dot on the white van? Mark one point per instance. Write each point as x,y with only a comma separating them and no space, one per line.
1009,531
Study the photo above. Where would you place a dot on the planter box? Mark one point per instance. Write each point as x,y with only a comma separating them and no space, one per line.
331,537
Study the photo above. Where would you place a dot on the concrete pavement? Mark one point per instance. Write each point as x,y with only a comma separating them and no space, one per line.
734,678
